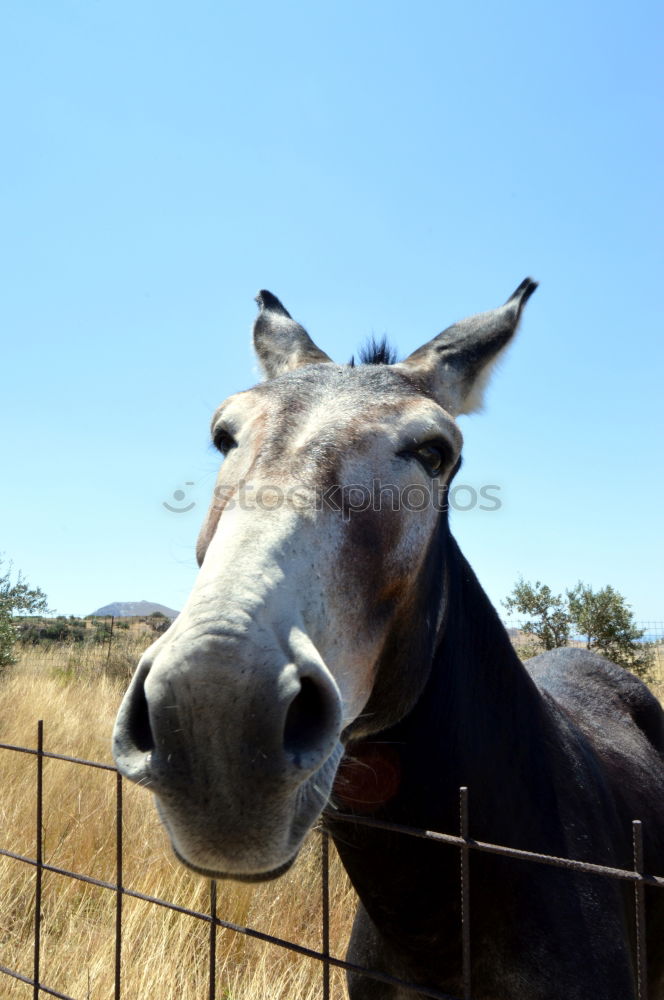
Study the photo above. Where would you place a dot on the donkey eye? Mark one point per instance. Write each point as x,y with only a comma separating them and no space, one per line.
434,457
223,440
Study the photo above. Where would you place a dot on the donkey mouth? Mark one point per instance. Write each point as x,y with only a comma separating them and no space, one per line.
236,876
212,863
256,839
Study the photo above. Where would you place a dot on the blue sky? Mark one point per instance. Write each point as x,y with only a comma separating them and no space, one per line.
382,168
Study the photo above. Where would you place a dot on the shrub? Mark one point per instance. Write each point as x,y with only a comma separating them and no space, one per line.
15,597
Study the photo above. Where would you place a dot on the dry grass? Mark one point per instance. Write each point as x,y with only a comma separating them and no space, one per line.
656,678
76,690
164,953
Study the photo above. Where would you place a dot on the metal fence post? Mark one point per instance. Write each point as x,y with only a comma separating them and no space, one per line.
118,883
39,857
640,908
465,892
325,901
212,990
110,642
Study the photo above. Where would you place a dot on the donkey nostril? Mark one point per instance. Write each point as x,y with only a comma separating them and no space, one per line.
307,722
139,728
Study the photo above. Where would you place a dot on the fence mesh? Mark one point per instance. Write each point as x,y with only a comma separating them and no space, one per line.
215,920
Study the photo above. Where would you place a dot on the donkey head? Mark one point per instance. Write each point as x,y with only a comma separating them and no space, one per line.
320,592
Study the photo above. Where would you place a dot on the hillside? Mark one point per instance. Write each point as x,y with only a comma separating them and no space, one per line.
132,609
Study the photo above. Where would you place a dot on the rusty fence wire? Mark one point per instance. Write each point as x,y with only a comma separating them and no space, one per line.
462,841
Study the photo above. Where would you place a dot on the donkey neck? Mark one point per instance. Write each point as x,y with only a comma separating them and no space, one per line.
480,720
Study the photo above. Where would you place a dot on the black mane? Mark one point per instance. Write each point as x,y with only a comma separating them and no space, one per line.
376,352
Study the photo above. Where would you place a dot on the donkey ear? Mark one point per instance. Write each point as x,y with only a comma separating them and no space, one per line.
455,366
280,343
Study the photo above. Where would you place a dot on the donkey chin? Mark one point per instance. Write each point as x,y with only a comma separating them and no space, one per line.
254,839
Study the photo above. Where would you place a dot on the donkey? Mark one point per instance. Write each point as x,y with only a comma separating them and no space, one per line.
334,617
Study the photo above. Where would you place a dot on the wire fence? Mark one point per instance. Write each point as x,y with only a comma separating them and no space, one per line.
649,645
462,841
653,631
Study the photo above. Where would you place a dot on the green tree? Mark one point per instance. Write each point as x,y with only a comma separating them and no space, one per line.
15,596
549,620
602,617
606,621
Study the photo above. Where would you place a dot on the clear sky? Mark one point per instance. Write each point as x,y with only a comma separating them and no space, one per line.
382,168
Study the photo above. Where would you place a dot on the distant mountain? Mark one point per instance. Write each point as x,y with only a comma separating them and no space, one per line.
132,609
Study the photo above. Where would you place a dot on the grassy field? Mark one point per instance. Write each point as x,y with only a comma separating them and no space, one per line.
76,688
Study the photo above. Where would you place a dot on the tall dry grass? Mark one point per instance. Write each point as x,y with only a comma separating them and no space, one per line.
655,678
76,691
